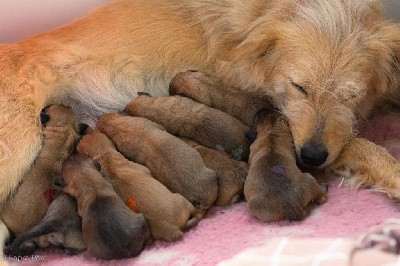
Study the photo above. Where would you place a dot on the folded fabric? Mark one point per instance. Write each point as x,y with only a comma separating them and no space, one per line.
378,246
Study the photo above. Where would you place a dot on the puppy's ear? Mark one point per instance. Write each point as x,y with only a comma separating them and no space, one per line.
59,182
44,118
97,165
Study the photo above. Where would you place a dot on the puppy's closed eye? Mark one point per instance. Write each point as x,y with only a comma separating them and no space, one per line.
299,88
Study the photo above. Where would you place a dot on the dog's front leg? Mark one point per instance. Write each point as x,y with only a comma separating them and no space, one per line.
275,188
363,163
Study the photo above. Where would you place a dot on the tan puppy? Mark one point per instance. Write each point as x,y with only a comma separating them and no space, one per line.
231,173
363,163
27,206
61,227
207,90
187,118
171,161
323,62
166,213
275,188
110,229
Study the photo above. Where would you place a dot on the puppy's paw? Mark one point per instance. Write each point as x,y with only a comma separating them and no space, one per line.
283,198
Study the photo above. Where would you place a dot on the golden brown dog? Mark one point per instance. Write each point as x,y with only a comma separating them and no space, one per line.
208,126
110,229
324,63
231,173
27,206
275,188
171,161
61,227
166,213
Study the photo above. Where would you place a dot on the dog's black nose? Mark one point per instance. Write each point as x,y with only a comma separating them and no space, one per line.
314,153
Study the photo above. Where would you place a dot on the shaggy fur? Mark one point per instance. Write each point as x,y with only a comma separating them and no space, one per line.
166,213
275,188
27,206
230,173
110,229
208,126
324,63
61,227
171,161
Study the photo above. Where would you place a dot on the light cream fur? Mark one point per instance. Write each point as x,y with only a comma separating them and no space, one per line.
344,54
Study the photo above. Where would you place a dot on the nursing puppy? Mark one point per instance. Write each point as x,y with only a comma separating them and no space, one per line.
61,227
27,206
186,118
171,161
110,229
210,91
231,173
166,213
275,189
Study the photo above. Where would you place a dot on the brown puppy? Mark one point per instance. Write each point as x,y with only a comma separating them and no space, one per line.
110,229
275,188
27,206
231,173
210,91
363,163
172,162
61,227
166,213
186,118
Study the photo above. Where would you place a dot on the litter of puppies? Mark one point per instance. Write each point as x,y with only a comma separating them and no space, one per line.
153,173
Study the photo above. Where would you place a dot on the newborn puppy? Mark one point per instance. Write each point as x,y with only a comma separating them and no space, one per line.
186,118
166,213
231,173
60,227
110,229
27,206
209,91
275,188
171,161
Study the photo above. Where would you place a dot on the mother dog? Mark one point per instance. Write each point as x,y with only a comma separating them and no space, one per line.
324,63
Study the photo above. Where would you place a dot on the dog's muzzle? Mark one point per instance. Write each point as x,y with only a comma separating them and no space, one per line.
314,154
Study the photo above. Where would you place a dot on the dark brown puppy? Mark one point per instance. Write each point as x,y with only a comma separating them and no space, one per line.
231,173
27,206
184,117
208,90
110,229
61,227
167,213
275,188
172,162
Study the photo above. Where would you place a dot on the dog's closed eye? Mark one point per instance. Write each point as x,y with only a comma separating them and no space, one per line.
300,88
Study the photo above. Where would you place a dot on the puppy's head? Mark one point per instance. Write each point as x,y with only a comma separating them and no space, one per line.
325,64
58,115
94,144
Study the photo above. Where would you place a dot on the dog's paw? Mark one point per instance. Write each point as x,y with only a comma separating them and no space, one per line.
365,164
282,197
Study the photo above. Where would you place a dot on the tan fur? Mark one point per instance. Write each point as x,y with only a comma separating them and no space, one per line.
110,229
171,161
344,53
166,213
209,91
186,118
231,173
363,163
61,227
27,206
275,188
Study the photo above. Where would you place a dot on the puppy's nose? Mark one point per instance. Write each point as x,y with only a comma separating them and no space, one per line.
314,153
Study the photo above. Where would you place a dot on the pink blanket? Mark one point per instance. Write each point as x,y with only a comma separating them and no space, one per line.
226,231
